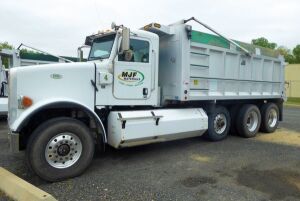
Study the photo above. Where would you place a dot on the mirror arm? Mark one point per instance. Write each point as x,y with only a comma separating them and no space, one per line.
80,52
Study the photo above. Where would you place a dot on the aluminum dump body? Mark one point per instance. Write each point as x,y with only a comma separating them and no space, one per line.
200,66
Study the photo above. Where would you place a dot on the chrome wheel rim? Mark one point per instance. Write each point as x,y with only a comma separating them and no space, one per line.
252,121
220,123
272,118
63,150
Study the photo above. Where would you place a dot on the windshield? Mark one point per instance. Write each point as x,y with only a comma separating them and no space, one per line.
101,47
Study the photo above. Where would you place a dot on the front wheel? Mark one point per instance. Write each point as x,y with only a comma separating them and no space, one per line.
60,148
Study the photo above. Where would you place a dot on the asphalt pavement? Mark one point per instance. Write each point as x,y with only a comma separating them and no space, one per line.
261,168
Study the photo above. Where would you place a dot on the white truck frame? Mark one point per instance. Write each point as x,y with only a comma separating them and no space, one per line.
151,85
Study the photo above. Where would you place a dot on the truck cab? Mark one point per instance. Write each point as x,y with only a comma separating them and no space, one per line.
125,77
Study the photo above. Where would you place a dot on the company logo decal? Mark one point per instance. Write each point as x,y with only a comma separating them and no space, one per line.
131,77
56,76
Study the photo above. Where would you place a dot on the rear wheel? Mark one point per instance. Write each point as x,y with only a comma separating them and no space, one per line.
248,121
270,117
60,148
218,124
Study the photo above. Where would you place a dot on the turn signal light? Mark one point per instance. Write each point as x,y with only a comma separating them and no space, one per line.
24,102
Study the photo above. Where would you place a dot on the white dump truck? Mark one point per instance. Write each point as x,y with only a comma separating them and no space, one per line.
143,86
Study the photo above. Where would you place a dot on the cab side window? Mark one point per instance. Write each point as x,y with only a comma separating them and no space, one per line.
139,52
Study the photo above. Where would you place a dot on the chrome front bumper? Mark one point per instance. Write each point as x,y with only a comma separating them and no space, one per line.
13,139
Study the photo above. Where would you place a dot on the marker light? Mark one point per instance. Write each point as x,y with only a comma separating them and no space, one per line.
157,25
147,27
24,102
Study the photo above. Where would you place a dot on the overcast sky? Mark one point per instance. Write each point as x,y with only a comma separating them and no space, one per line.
60,26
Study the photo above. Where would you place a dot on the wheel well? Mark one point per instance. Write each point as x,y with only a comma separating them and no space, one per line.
50,112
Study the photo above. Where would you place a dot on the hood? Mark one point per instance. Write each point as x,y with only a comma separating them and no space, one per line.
61,81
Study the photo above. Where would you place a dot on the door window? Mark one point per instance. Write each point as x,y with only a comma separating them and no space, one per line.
139,52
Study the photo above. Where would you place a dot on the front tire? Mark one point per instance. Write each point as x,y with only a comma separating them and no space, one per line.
218,124
60,148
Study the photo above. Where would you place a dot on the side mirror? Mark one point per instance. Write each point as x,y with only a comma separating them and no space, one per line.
125,44
113,25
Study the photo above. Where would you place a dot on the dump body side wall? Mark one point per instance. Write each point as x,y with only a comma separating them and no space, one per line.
219,73
214,72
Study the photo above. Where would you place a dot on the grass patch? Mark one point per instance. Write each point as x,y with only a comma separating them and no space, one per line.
293,101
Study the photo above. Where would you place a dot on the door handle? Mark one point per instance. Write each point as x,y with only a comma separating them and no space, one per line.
145,92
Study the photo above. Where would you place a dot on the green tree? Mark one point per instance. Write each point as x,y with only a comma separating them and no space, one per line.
288,56
263,42
5,45
5,60
296,53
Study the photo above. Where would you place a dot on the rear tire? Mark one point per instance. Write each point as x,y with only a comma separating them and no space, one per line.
270,117
248,121
218,124
60,148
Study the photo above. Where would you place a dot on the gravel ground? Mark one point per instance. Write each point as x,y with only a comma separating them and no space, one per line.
261,168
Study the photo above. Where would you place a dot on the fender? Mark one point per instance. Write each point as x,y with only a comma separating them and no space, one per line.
25,116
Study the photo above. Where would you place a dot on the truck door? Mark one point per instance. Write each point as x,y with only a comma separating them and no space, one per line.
132,79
